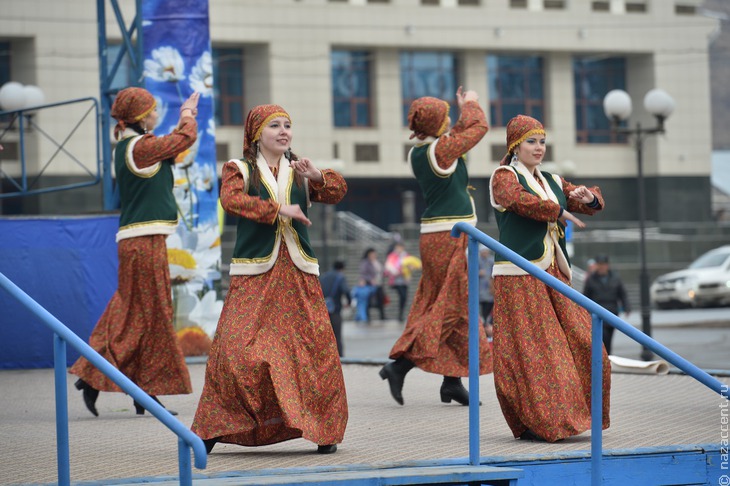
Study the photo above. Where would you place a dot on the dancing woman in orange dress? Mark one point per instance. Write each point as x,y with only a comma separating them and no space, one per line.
273,371
542,339
436,337
135,333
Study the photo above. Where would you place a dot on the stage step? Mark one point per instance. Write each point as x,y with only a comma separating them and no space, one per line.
397,476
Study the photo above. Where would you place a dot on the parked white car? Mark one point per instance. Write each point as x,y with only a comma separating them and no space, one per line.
705,282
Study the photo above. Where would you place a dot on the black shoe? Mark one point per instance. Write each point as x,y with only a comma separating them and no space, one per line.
530,435
453,389
90,395
395,373
210,443
327,449
140,409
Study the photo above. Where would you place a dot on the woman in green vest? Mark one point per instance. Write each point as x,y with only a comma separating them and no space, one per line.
436,335
273,371
542,339
135,333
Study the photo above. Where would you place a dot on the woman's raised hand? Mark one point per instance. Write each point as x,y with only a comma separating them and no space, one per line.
191,104
582,194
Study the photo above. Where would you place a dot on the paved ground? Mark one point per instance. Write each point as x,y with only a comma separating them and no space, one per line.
647,411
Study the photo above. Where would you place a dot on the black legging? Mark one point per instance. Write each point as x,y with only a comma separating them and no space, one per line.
402,291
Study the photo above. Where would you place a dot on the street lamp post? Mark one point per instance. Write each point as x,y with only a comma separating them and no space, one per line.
617,106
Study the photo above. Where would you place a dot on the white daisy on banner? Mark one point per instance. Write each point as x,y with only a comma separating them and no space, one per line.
201,78
166,65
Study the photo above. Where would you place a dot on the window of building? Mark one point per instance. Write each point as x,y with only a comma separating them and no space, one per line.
601,6
429,74
469,3
4,62
554,4
681,9
351,93
593,78
518,3
367,152
635,7
515,87
124,76
228,85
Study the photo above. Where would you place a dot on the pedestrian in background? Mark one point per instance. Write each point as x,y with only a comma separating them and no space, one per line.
371,270
486,297
361,296
135,333
399,266
273,372
334,288
605,287
542,339
436,335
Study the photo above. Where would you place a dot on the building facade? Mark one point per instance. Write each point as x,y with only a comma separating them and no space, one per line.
347,70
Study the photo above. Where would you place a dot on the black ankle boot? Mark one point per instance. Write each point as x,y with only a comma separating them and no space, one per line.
90,395
327,449
140,409
210,443
453,389
395,372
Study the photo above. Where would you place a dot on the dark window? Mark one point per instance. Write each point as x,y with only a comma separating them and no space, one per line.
515,88
518,3
554,4
469,3
601,6
228,85
351,94
5,50
431,2
635,7
367,152
429,74
593,79
685,9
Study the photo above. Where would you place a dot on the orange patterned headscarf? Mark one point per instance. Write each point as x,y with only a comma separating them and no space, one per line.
257,119
519,129
428,117
130,106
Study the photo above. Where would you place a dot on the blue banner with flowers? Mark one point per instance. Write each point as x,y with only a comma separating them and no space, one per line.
177,62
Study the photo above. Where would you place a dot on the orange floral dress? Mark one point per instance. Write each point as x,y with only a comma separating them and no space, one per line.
135,333
436,337
273,371
542,339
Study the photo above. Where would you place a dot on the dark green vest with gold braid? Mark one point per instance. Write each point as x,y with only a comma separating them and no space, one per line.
526,236
446,194
145,194
255,242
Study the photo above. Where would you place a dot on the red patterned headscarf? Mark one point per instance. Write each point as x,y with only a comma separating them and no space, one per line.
428,117
130,106
256,120
519,129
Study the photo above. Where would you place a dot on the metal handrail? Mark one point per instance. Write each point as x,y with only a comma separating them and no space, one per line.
599,315
63,335
24,188
352,226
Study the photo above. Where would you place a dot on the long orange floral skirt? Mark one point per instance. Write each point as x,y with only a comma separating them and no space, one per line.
542,358
436,337
135,333
273,372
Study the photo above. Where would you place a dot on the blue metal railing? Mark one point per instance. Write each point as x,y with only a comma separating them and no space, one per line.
599,315
62,335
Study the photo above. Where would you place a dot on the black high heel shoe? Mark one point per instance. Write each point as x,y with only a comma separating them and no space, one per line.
90,395
395,372
140,409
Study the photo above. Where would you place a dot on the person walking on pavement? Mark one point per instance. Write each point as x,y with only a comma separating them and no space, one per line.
605,287
273,372
371,270
334,287
399,266
135,333
436,335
